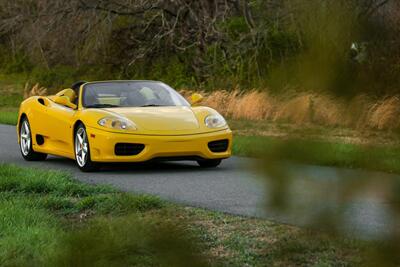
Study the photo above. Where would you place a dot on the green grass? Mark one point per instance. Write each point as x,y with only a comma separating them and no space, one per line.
34,205
252,242
8,117
10,100
49,219
373,157
15,79
11,90
25,231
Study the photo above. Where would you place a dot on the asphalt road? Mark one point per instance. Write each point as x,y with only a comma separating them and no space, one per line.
235,187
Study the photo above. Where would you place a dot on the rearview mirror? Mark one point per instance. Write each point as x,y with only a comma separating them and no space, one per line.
64,101
196,98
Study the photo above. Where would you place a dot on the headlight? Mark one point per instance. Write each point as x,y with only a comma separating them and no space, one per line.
215,121
117,123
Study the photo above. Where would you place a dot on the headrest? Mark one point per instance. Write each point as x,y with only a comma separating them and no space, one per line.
68,93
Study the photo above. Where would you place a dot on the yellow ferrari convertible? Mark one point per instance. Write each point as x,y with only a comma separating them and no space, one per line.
122,121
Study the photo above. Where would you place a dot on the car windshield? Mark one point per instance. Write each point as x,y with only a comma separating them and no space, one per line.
130,94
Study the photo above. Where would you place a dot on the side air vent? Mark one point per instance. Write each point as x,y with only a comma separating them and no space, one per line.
39,139
219,145
41,101
126,149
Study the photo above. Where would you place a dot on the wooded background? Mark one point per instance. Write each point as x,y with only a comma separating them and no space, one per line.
348,46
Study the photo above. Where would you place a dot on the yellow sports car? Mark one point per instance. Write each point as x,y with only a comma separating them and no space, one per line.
122,121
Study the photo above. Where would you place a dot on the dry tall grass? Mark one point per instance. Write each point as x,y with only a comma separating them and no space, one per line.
252,105
307,108
296,108
35,90
385,114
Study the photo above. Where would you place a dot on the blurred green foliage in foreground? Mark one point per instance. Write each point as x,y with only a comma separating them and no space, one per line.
330,26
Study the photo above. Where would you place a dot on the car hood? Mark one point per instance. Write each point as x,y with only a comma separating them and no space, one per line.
154,120
160,119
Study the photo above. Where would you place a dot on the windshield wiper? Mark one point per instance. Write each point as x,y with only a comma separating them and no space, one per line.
102,106
152,105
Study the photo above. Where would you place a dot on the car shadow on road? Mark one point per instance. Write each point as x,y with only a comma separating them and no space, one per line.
138,168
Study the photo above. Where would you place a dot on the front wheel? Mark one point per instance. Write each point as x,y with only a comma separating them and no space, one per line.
25,143
209,163
82,151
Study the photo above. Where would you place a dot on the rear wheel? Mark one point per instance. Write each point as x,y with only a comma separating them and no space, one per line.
82,151
25,143
209,163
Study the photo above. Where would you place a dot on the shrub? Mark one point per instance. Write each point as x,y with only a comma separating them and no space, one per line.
55,78
14,63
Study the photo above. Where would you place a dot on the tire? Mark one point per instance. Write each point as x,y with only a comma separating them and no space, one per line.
25,142
82,150
209,163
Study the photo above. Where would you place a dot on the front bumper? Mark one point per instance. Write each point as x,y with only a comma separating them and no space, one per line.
102,144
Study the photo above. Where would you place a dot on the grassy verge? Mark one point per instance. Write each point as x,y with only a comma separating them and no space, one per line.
373,157
11,91
287,131
8,116
38,209
48,219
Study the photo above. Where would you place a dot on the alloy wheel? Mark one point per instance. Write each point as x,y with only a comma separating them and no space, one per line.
25,138
81,147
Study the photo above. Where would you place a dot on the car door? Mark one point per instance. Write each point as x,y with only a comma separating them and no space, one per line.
59,128
38,117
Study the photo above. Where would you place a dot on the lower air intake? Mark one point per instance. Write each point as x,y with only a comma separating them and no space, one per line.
219,145
127,149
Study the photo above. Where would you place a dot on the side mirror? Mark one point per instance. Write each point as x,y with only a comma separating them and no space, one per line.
196,98
64,101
